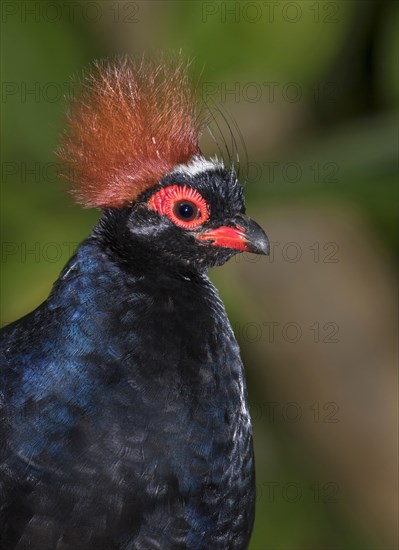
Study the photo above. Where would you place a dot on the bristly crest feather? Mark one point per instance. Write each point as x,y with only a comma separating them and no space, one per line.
132,123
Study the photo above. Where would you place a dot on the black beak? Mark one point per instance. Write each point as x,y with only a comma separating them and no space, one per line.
256,239
241,233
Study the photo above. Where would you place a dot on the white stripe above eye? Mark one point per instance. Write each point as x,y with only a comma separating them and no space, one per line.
197,165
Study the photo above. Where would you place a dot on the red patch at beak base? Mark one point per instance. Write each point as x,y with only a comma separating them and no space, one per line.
227,237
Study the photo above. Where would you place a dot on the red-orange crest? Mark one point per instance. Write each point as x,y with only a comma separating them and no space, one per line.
131,124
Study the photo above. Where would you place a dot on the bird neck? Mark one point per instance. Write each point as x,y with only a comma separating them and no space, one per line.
177,316
102,273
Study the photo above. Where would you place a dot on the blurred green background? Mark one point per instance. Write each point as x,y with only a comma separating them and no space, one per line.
313,87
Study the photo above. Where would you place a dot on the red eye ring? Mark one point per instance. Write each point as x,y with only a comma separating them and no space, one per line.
165,200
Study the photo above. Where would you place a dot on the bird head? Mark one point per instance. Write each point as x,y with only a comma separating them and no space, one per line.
131,146
194,217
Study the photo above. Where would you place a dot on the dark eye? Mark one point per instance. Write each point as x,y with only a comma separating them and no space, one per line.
185,210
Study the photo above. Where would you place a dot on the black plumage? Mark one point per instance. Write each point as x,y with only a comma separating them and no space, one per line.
124,416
